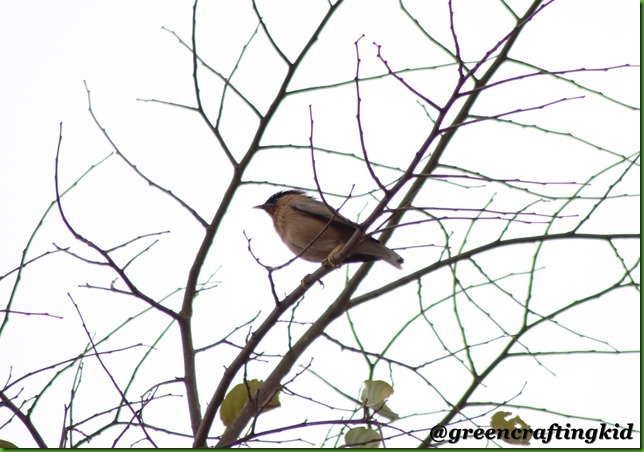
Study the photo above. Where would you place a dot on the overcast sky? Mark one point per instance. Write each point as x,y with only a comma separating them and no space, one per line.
119,48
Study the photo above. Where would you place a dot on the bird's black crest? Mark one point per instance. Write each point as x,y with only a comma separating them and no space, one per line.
273,199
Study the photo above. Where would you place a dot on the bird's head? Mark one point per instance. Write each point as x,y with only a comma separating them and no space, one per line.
274,201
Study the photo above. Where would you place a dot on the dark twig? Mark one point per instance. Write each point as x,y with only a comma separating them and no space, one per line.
363,146
26,421
508,113
195,78
237,364
119,271
457,47
136,415
149,181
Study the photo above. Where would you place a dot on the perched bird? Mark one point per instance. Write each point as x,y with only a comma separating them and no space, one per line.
311,230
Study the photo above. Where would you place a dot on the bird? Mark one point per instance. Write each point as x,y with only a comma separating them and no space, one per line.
313,232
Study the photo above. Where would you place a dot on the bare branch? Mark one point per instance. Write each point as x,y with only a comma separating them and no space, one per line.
135,291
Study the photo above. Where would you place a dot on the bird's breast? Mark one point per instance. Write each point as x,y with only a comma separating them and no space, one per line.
312,239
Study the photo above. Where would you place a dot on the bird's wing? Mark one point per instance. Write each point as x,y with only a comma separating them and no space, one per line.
316,209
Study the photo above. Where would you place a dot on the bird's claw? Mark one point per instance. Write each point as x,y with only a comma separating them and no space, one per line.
329,262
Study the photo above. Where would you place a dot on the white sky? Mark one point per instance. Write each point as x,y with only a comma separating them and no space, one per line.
48,49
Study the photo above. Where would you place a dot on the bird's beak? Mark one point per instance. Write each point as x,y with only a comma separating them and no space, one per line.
261,206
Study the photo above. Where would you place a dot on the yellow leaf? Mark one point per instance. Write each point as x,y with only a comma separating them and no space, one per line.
373,396
237,398
362,438
375,392
7,445
499,422
385,411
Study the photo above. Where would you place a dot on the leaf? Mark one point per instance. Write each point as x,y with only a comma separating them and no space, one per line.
373,396
362,438
499,422
386,412
7,445
375,392
237,398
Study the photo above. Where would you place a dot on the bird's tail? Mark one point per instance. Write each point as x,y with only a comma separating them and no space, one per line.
377,250
391,257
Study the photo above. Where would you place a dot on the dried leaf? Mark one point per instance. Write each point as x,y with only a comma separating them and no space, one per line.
237,398
373,396
499,422
362,438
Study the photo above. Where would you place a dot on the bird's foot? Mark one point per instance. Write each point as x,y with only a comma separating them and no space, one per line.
329,262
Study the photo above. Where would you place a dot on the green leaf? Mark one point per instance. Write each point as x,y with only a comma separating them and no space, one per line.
386,412
499,422
375,392
373,396
237,398
362,438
